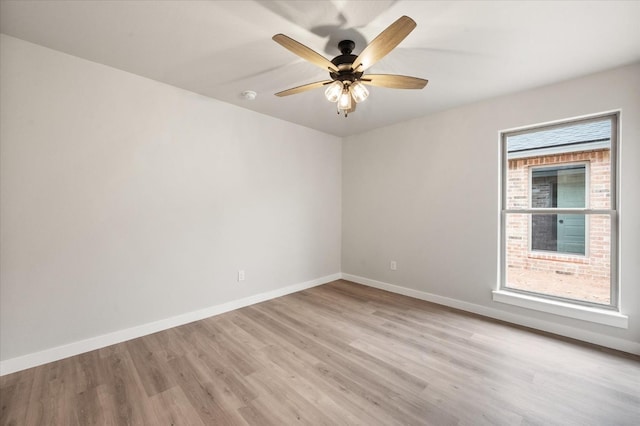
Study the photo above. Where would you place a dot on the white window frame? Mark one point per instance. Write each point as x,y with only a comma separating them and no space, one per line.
587,189
579,309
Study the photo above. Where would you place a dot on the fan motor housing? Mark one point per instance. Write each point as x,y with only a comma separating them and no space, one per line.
344,61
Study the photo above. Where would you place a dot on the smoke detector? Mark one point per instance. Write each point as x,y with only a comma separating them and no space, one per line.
249,95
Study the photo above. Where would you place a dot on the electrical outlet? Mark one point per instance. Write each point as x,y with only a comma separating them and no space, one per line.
240,275
393,265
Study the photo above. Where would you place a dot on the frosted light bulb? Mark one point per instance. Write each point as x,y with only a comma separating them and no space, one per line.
359,91
344,103
333,92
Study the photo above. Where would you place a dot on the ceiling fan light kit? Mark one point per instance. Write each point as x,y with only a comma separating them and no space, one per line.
359,91
334,90
346,87
345,103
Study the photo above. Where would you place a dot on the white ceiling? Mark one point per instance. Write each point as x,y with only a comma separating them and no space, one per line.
468,50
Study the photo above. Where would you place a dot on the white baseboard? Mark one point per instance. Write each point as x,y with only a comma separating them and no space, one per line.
49,355
53,354
548,326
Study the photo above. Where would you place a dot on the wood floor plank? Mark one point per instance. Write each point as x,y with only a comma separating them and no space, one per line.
298,409
151,368
313,389
231,388
258,416
128,402
301,362
33,406
336,354
374,387
202,394
172,407
341,342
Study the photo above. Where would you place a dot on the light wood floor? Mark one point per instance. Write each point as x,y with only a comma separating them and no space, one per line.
335,354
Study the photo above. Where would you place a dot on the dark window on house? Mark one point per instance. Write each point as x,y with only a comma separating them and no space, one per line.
558,187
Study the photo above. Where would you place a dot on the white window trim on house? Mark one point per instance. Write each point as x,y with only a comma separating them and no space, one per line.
601,314
587,189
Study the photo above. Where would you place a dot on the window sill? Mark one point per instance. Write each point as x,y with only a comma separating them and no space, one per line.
567,258
585,313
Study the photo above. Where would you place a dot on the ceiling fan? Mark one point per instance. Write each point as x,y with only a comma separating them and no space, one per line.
346,86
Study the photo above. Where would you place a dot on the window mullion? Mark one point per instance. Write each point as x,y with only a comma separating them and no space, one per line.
555,210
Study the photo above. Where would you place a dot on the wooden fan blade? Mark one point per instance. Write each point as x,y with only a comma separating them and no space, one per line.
304,52
303,88
394,81
384,43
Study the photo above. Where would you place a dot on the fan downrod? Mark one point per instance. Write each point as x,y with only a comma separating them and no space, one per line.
346,46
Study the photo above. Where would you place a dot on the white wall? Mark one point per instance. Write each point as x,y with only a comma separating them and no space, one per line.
126,201
425,193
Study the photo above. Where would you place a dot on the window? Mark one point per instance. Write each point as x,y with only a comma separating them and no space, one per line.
559,217
558,187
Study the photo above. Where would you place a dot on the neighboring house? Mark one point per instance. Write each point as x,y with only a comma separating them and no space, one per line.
563,167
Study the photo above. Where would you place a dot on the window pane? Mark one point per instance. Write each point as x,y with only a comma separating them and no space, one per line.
560,233
559,186
544,232
580,274
548,168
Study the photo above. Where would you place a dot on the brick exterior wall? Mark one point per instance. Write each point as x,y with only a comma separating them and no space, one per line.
596,261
